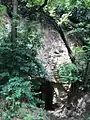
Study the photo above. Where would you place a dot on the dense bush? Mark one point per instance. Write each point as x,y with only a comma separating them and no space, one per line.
69,73
20,70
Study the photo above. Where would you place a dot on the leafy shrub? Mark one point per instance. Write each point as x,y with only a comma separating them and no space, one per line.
19,70
80,57
86,48
17,88
68,72
29,117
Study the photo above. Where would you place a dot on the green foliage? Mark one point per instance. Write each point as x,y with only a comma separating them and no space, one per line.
23,112
19,69
68,73
2,12
29,117
17,88
37,114
31,3
73,72
74,15
21,60
2,21
88,118
69,4
80,57
86,48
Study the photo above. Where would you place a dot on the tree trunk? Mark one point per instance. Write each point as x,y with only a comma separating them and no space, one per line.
14,23
13,31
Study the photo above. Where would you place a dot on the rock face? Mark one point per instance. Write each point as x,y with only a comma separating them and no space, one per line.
53,51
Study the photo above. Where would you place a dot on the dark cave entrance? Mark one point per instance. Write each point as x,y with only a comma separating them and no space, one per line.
47,95
46,90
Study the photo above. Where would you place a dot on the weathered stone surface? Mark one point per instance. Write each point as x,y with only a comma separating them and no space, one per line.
53,51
